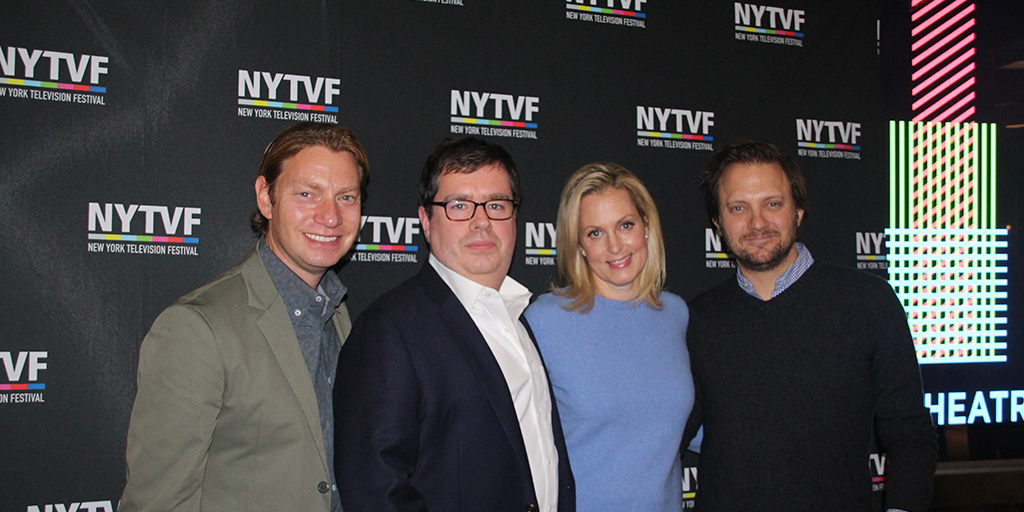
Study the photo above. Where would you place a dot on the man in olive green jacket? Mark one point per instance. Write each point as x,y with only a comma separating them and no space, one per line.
233,411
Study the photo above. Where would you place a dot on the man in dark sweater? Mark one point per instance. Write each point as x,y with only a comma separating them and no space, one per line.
796,362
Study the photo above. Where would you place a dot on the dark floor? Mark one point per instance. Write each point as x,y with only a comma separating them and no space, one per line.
979,487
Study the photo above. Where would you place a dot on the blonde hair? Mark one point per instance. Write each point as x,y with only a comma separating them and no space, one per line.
575,280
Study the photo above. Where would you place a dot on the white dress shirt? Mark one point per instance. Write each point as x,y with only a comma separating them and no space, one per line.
496,313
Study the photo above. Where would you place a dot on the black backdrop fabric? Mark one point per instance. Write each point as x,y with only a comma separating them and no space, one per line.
157,115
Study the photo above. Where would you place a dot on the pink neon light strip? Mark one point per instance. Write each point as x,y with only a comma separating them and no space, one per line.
952,160
960,134
969,113
921,152
917,15
943,42
959,105
943,86
941,28
946,99
956,219
945,70
923,10
942,58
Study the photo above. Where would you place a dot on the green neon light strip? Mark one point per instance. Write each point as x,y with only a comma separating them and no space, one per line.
942,190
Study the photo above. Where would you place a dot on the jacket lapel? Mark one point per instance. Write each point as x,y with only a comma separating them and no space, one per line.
280,335
342,321
466,334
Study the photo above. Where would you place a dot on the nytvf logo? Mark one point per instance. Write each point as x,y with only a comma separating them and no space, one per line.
489,105
689,482
871,250
715,254
287,87
102,218
876,461
674,120
540,243
629,5
763,16
85,506
23,364
52,65
870,242
827,132
388,230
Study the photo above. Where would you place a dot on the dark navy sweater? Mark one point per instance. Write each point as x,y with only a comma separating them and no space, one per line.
790,390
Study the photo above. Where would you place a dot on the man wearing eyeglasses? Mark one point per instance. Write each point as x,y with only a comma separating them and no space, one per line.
442,401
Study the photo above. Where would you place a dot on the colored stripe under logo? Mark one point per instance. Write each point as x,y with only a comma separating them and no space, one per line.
144,238
290,106
602,10
541,252
771,31
22,387
52,85
677,136
815,145
392,248
493,122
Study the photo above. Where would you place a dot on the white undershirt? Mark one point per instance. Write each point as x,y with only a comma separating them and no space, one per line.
496,313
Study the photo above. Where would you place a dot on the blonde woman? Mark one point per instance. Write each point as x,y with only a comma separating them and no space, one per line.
614,344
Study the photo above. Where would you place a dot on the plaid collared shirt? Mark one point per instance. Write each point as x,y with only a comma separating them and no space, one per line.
787,278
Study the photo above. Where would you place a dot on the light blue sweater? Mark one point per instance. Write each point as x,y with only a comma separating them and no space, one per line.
621,375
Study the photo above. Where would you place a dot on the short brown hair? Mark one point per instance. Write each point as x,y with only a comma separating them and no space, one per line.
465,155
301,136
750,152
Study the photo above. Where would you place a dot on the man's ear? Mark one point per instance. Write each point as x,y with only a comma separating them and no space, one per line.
263,201
424,223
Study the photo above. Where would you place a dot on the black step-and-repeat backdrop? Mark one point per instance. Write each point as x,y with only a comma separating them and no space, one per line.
131,133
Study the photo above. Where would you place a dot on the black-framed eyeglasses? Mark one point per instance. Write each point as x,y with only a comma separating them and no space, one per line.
461,209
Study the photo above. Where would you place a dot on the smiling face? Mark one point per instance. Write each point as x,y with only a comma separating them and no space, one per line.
758,217
479,249
314,212
612,236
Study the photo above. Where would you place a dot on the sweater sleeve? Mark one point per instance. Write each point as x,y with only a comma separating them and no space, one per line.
903,423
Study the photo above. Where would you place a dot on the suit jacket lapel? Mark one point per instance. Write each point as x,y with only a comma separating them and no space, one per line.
280,335
481,360
566,481
342,321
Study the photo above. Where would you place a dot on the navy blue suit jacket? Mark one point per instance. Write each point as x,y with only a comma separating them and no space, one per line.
424,418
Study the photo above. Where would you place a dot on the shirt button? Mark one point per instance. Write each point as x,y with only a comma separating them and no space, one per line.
298,313
505,330
319,298
323,487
